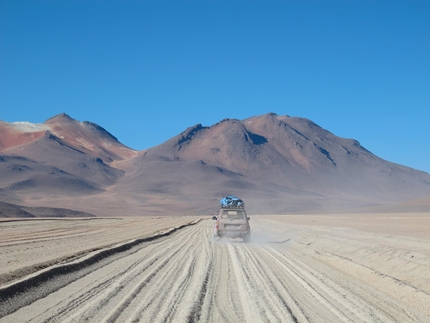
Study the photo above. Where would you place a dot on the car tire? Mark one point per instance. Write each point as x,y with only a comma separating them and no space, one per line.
247,237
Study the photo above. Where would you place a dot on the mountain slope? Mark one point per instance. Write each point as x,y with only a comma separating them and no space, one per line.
276,163
8,210
59,158
86,137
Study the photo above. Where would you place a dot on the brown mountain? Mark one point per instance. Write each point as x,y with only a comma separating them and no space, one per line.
85,137
275,163
59,158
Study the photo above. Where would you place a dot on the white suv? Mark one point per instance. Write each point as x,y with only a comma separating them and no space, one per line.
232,223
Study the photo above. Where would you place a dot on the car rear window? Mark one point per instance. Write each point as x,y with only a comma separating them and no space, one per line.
232,214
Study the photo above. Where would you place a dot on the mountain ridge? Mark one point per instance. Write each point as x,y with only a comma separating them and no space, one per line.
277,164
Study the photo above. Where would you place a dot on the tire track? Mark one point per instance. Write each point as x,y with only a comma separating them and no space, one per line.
226,298
187,277
116,300
36,287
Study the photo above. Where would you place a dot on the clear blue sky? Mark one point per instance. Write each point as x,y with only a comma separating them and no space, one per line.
146,70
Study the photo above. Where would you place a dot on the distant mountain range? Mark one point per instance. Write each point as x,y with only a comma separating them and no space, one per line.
276,164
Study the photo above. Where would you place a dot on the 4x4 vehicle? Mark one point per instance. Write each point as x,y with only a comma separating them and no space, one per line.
232,222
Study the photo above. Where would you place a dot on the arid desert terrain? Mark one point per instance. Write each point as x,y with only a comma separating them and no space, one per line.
297,268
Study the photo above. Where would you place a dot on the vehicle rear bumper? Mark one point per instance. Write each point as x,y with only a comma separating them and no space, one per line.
232,234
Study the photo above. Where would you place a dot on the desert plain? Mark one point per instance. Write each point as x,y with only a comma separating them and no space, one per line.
369,267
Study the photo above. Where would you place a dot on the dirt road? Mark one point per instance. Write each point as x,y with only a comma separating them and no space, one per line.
288,273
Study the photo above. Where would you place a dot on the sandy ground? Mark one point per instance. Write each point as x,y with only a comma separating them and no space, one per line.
319,268
28,245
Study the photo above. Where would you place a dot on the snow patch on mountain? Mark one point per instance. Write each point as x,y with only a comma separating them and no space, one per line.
25,126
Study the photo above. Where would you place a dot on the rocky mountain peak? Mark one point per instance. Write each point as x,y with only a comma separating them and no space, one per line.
60,118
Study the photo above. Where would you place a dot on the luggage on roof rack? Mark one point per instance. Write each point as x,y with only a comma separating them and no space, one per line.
231,202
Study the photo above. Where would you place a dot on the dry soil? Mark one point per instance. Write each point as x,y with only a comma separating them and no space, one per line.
315,268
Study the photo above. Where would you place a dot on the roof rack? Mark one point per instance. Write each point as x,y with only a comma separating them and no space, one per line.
241,206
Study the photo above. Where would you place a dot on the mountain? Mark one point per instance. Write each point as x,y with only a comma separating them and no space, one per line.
277,164
85,137
60,158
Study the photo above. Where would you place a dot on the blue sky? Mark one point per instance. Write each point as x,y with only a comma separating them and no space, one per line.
147,70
